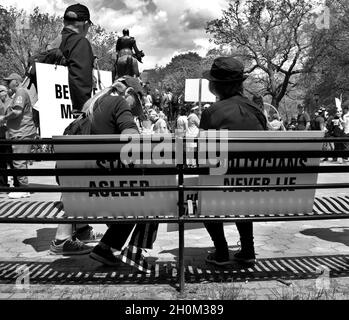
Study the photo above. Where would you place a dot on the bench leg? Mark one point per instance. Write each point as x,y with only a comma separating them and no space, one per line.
181,256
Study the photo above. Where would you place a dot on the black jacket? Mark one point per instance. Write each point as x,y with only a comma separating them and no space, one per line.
78,52
236,113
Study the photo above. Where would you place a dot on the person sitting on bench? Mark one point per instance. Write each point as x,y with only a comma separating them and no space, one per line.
233,111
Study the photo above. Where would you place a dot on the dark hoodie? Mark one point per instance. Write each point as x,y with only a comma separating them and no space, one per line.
78,52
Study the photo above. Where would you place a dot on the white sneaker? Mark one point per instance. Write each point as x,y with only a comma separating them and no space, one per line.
18,195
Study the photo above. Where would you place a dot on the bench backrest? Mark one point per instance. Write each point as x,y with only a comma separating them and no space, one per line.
161,203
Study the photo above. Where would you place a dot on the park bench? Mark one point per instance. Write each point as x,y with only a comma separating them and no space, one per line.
254,176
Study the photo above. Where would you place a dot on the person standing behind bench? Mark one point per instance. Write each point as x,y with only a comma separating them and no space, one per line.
20,126
79,57
5,102
303,119
78,53
233,111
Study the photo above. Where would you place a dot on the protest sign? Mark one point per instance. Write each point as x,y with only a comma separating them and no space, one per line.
338,104
245,202
54,101
196,90
105,203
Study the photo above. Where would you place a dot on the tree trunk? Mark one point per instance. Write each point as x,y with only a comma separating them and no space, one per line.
275,102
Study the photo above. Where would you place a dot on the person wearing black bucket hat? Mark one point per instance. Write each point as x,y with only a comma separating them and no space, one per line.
232,111
225,69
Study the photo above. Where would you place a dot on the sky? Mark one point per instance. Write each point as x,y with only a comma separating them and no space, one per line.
162,28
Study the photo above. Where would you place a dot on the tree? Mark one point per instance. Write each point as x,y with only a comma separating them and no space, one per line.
181,67
5,38
330,76
173,75
23,43
103,43
19,44
274,38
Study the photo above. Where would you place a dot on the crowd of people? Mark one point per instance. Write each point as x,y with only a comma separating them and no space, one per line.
333,122
128,106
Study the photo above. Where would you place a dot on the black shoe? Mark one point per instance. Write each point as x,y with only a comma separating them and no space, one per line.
245,257
218,259
104,256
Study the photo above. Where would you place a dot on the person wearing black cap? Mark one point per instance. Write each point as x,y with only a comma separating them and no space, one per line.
233,111
79,57
78,53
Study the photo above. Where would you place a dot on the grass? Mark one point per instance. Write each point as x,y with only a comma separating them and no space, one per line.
215,291
310,293
298,290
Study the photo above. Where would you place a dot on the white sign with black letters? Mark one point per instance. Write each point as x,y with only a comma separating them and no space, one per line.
115,203
54,104
283,201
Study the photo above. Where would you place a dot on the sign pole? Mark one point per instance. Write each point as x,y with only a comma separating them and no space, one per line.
200,93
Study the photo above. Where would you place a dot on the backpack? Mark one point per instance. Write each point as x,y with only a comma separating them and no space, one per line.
80,126
52,56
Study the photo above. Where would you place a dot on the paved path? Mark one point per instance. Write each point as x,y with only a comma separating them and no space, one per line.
293,261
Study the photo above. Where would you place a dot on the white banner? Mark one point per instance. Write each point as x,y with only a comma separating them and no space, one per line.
287,200
244,202
338,104
105,203
192,91
54,101
206,95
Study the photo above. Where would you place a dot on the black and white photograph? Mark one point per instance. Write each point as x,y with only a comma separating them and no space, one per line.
174,157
